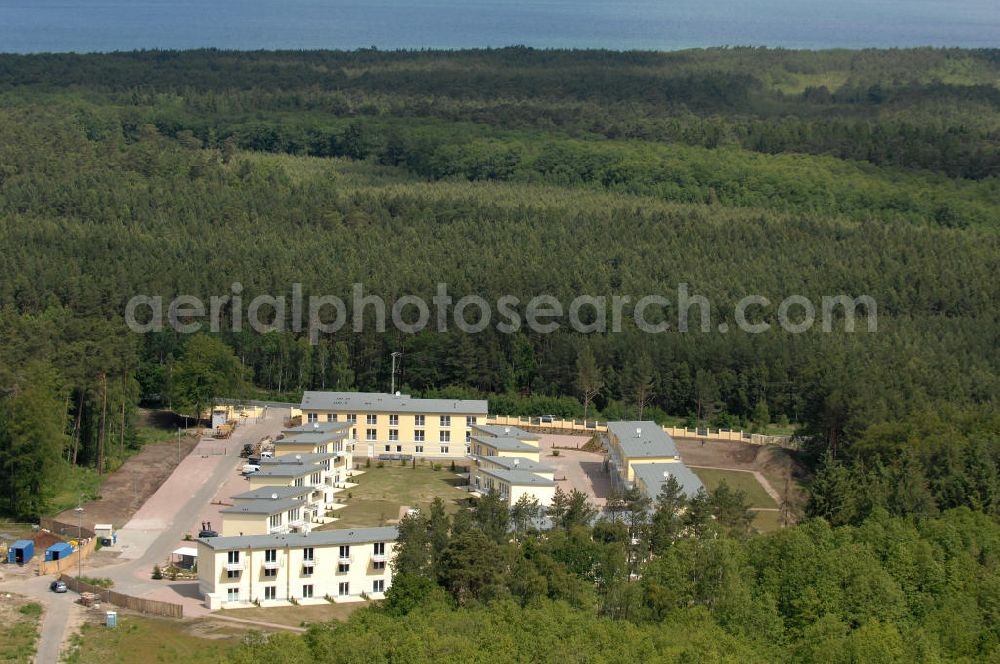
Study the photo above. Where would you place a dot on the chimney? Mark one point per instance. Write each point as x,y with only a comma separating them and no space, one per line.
638,432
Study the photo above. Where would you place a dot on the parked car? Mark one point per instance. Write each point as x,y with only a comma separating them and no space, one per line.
250,469
58,586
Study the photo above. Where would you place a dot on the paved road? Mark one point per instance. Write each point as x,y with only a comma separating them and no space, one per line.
154,531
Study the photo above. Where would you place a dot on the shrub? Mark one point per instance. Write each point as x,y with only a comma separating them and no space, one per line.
157,572
31,609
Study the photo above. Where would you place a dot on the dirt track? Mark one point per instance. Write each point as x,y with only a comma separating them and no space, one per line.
126,489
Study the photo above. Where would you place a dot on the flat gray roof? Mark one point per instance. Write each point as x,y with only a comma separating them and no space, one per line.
651,441
305,457
518,477
319,427
505,444
518,463
315,538
378,402
265,492
652,475
266,506
505,430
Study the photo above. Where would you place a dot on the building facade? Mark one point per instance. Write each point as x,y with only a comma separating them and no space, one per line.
273,570
381,424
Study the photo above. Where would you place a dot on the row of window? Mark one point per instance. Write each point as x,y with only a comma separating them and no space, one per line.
418,435
419,449
271,592
308,553
372,419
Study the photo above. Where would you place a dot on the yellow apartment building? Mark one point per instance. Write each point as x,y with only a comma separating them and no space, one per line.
498,446
274,570
398,423
630,444
513,477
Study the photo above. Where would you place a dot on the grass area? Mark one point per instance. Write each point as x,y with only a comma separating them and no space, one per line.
142,639
77,484
766,522
297,616
19,621
736,479
382,491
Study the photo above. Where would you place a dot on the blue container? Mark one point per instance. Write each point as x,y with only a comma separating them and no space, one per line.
111,619
21,552
58,551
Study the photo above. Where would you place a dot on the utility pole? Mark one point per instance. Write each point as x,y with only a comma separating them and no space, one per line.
395,355
178,446
79,540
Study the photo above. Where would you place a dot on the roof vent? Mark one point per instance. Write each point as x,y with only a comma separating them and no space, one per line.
274,496
506,429
666,474
638,432
517,462
298,458
315,425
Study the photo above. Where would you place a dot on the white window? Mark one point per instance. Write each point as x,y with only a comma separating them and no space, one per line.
293,514
307,591
378,586
275,521
343,588
469,420
444,449
372,419
270,592
308,553
232,594
399,448
371,434
394,420
378,564
233,557
232,574
388,448
312,417
393,434
468,436
270,555
378,548
270,573
418,435
352,418
343,568
299,481
418,420
419,449
446,420
316,478
444,436
331,417
345,552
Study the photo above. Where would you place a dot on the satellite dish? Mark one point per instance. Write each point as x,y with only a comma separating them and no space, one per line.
274,496
638,432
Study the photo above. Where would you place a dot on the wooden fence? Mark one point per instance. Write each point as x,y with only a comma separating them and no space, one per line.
65,530
150,607
46,567
554,425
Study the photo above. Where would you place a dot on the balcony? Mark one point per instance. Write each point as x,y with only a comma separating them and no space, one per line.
345,559
234,567
271,564
309,563
379,558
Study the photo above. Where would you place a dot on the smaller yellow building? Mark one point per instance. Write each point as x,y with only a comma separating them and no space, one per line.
488,446
513,477
632,443
274,570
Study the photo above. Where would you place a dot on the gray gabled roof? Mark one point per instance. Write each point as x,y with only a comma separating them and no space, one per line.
294,458
650,441
505,431
288,470
652,475
517,463
310,438
319,427
296,540
505,444
378,402
266,506
265,492
517,477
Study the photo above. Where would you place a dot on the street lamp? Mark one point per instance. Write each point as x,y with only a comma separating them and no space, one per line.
79,541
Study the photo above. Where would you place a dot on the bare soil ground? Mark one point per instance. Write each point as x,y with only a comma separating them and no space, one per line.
126,489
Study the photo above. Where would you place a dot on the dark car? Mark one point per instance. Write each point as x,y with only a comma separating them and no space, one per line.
58,586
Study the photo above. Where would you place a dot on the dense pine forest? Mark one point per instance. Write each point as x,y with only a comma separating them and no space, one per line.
519,171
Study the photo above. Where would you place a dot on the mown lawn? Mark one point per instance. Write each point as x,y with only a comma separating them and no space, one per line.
382,491
736,479
148,640
297,616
